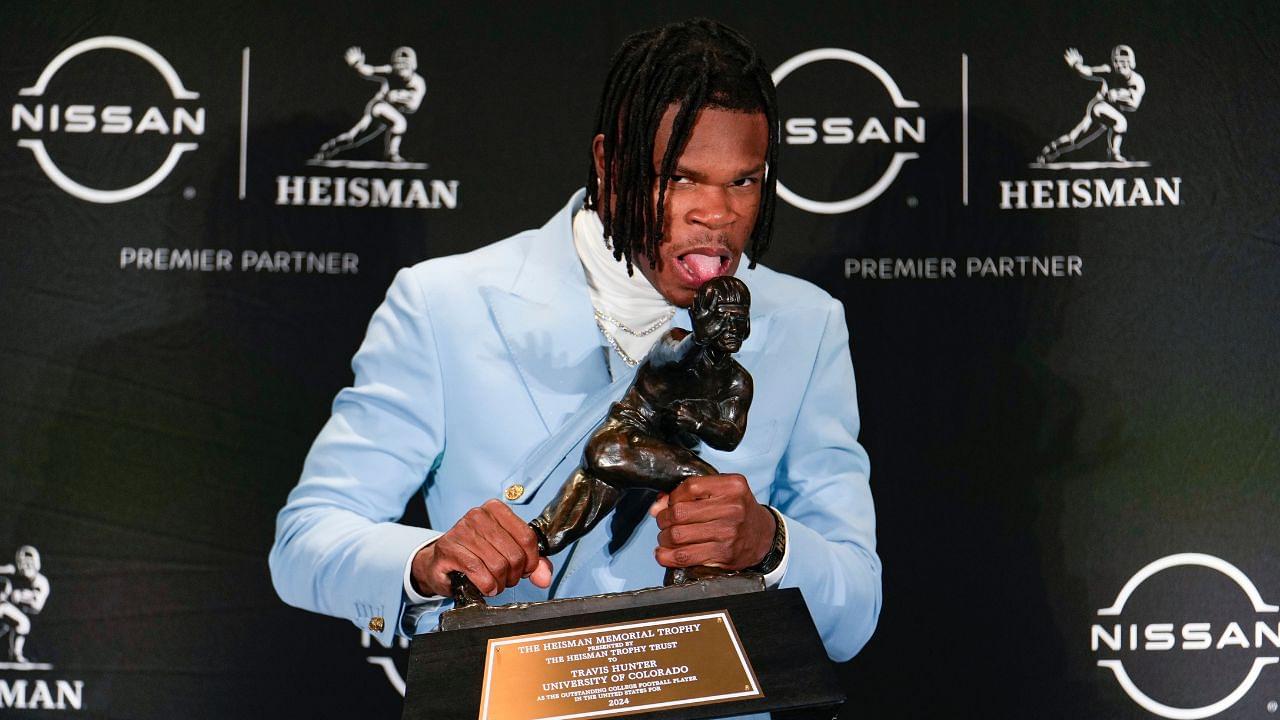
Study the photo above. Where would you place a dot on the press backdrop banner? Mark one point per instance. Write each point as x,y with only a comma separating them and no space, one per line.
1063,293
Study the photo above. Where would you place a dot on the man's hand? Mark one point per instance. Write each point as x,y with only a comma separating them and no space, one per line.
491,545
712,520
354,56
1073,57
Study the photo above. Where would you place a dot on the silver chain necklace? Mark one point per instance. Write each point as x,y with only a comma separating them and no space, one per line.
603,317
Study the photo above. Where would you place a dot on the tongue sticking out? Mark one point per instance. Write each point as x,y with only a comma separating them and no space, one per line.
702,267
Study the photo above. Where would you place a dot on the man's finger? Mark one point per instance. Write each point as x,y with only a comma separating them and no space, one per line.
690,555
658,505
695,488
520,533
494,560
456,556
542,573
701,487
511,552
692,534
514,539
692,512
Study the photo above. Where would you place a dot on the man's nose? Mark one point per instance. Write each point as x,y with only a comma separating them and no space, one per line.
712,208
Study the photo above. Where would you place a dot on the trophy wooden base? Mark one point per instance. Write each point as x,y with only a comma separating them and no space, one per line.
776,643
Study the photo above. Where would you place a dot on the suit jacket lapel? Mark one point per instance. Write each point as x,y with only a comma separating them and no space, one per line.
546,320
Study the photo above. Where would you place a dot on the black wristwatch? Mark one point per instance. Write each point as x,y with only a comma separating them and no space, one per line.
773,558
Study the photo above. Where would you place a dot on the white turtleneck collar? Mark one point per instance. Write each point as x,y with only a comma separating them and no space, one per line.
628,299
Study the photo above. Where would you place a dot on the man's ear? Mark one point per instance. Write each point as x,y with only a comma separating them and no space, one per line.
597,155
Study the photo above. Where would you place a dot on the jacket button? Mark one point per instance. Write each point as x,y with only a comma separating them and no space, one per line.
514,492
376,624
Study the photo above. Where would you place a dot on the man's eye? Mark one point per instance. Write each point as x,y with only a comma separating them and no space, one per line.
746,181
678,179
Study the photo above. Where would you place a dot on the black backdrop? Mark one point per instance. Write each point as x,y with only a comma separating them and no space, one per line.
1038,435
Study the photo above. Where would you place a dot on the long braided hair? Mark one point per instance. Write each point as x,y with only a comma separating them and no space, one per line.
692,64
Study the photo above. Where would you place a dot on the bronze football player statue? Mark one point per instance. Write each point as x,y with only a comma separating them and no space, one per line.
688,390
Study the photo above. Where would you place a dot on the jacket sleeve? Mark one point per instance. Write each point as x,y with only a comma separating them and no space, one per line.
823,489
338,549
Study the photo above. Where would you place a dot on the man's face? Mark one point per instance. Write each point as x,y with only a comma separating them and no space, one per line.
725,326
26,566
712,199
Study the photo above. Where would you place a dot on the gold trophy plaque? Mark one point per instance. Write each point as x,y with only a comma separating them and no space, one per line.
616,670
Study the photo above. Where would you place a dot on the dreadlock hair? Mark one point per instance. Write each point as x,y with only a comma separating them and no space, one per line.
692,64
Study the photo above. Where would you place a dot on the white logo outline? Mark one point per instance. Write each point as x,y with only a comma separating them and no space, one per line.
1181,560
176,88
112,42
890,174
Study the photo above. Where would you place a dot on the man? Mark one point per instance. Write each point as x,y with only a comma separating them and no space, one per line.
388,107
24,598
482,376
1122,89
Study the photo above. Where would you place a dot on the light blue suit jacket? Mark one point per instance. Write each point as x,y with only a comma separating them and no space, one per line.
486,369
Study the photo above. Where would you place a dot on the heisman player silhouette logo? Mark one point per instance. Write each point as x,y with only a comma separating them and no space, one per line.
23,591
399,94
1120,93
